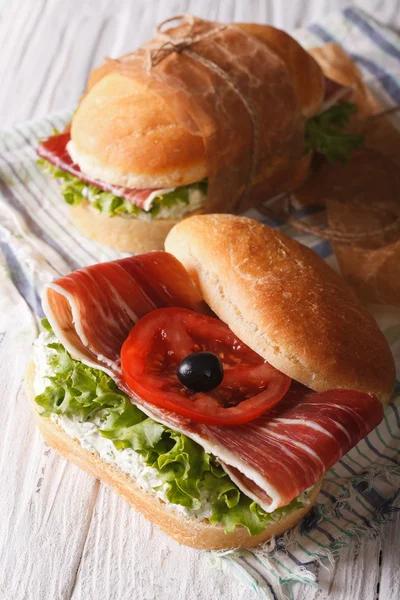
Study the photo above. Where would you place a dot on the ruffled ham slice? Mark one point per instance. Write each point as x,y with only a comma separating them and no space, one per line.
92,310
55,151
273,458
277,456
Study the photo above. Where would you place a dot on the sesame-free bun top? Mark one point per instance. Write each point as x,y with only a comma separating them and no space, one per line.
285,302
125,134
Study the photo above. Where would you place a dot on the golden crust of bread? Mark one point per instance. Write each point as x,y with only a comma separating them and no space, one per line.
307,76
188,531
125,134
122,233
285,302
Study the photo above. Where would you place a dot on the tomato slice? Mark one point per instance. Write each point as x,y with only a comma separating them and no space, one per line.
164,337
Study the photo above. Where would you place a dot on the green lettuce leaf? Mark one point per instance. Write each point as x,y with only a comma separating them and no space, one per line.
325,133
74,191
190,475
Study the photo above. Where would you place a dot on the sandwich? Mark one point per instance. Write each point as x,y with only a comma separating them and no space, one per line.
203,118
211,385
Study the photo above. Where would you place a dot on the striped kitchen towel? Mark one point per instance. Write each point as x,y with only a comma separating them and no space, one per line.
38,243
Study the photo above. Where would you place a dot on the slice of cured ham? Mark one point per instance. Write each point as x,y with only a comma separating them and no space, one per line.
54,150
273,458
280,454
301,438
92,310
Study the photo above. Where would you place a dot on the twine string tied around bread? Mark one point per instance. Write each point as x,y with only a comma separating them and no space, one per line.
184,45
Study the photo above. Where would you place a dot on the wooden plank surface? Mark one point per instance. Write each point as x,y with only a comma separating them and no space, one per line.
62,535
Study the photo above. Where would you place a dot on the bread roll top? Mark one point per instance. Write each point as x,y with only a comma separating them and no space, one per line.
125,134
285,302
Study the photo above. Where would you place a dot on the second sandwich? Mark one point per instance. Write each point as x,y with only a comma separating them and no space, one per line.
206,117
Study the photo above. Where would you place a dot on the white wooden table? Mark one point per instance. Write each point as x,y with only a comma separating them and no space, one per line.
68,537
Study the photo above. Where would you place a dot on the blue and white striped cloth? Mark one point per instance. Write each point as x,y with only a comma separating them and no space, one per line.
38,243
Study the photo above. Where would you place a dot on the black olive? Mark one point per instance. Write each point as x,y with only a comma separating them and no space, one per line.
201,371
